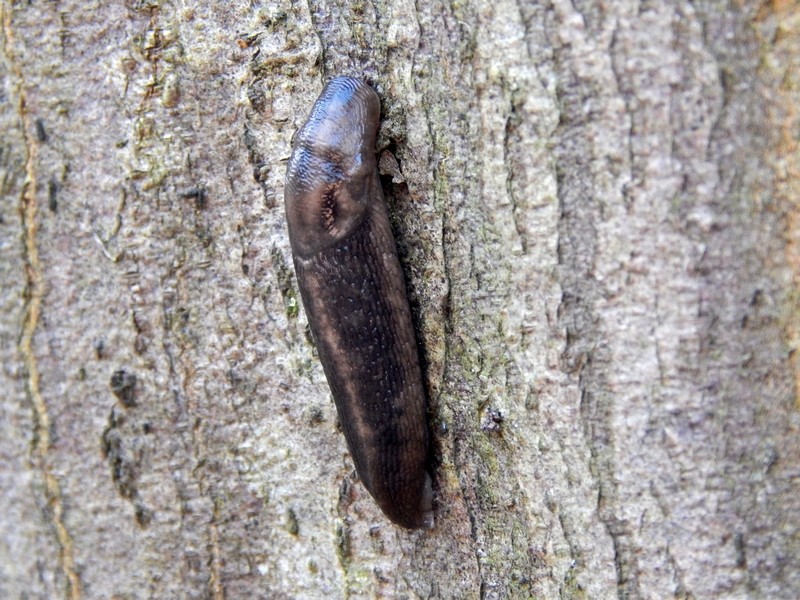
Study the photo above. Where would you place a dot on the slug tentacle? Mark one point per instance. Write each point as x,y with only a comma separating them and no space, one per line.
354,295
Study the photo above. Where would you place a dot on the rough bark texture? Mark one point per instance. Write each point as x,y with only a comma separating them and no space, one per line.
597,211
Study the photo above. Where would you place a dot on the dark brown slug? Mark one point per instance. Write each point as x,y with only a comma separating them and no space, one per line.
355,298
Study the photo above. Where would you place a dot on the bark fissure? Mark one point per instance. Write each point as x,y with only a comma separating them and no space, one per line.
32,308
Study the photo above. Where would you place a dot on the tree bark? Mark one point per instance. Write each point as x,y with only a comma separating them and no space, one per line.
596,206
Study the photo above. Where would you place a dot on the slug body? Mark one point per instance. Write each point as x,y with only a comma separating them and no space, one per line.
354,296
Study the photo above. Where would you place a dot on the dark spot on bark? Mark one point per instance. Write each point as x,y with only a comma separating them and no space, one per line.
199,196
315,416
41,134
492,420
123,386
143,515
123,466
52,195
257,99
291,522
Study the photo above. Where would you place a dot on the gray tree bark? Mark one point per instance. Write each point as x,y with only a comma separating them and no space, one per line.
596,206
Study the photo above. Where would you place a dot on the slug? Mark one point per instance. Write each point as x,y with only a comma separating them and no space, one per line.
354,295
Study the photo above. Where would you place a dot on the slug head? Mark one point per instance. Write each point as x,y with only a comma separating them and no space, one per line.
331,177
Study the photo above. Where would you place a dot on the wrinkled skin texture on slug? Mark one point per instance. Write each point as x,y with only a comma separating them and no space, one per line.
355,298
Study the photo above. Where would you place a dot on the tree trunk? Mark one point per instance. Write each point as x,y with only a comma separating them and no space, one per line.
596,207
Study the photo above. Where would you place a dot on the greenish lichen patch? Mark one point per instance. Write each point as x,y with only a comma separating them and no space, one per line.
343,545
285,278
